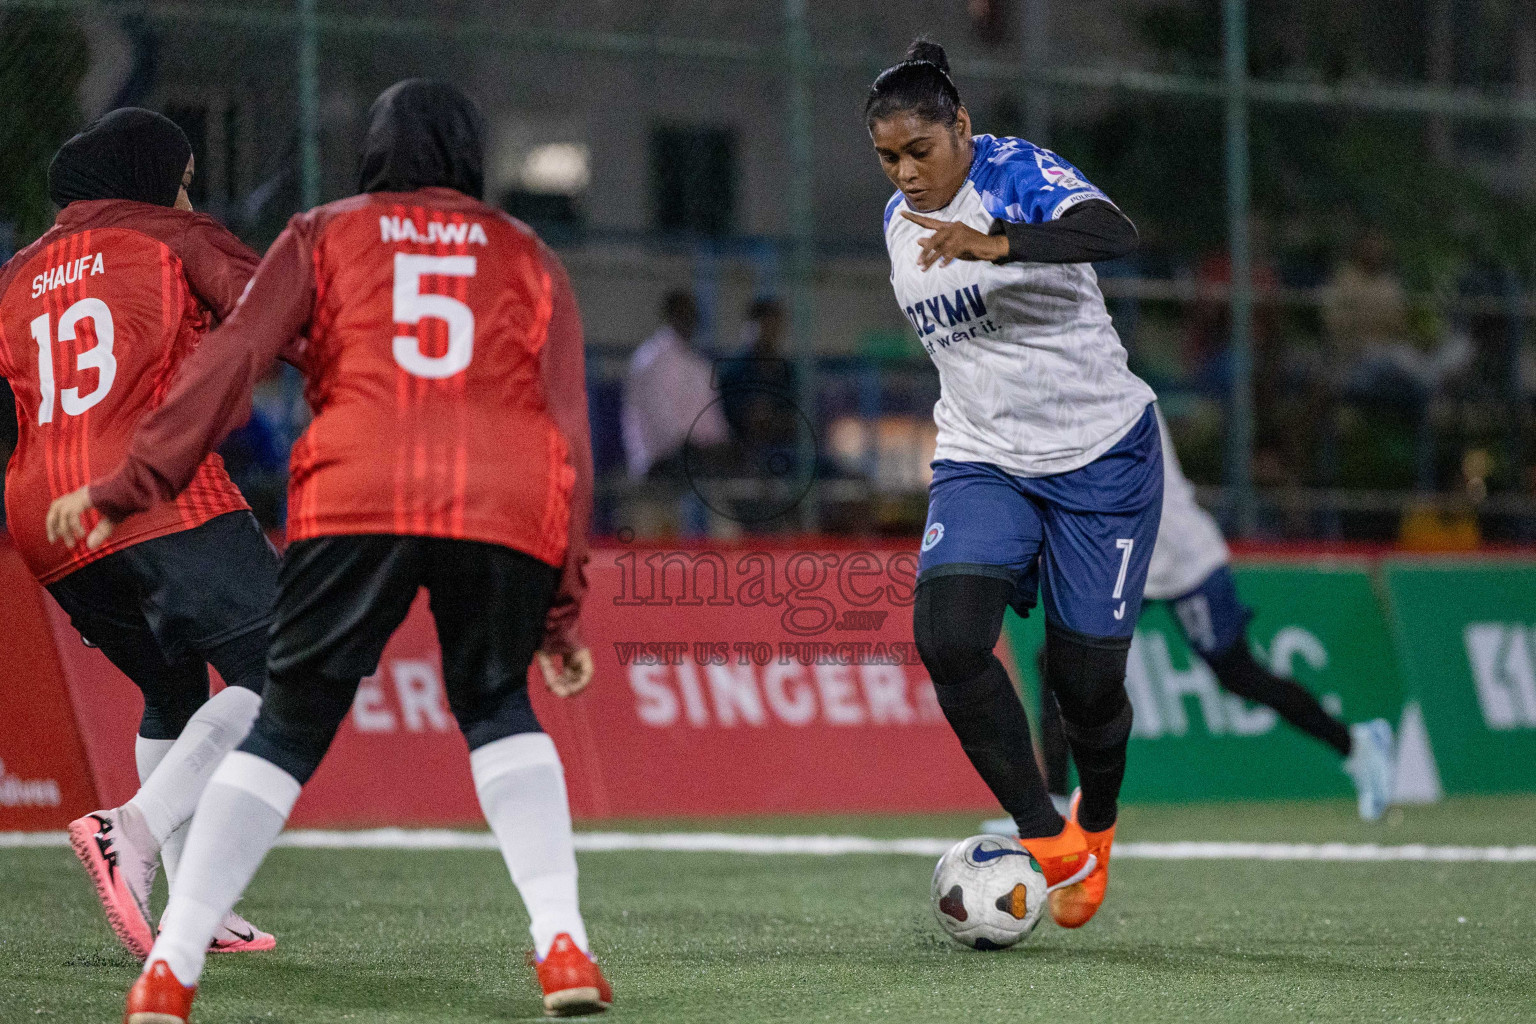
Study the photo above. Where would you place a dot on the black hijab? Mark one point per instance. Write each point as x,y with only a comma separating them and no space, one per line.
423,133
127,154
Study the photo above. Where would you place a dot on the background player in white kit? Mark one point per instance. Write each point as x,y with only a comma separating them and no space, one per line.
1190,570
1048,472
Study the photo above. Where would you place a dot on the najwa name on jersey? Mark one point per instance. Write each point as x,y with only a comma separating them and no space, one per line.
403,229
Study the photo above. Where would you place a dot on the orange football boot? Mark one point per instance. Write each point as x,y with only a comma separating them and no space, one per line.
159,998
1074,906
573,985
1065,860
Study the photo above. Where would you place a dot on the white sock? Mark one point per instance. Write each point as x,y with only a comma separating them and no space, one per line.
148,754
240,816
521,786
170,795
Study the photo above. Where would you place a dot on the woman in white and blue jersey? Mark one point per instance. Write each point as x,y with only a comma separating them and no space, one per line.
1048,475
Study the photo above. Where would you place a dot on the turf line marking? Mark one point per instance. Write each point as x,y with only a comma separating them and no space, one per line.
831,846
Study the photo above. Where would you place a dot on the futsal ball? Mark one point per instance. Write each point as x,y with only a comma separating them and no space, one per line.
988,892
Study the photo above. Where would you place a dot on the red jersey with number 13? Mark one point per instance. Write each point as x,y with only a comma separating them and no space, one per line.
424,370
95,319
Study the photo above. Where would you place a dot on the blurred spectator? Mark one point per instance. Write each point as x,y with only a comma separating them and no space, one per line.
1281,394
1365,317
757,387
1208,331
1454,526
669,396
256,457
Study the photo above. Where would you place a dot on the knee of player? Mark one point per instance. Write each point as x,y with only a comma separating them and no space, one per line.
951,651
297,753
242,660
494,714
1088,678
300,715
166,715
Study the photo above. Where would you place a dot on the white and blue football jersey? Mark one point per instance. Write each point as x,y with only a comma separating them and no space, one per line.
1032,375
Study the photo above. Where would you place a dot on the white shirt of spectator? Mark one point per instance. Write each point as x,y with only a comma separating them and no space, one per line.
669,400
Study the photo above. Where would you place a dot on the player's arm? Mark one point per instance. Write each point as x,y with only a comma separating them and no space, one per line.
565,384
1091,231
217,265
1048,214
211,396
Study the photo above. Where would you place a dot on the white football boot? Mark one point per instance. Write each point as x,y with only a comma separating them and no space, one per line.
1372,766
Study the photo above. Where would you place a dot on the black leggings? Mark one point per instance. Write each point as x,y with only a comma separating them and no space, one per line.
341,598
956,622
166,608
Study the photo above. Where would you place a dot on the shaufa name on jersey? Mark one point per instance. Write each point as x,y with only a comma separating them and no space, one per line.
1033,377
69,273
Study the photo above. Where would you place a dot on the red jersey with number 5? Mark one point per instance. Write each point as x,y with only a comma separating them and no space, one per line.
95,319
424,368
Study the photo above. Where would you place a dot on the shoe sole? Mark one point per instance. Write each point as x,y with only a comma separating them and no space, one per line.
154,1018
1072,924
572,1002
259,946
83,843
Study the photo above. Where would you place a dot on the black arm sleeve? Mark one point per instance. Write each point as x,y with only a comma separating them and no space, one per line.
1090,231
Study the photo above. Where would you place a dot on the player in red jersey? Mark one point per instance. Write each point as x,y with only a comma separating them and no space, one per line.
95,319
449,450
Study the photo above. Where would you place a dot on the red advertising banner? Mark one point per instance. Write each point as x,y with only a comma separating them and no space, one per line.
742,681
728,682
43,777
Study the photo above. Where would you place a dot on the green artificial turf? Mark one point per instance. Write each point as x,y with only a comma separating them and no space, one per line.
432,936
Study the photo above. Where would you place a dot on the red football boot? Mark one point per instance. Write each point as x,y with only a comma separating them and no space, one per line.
572,983
158,998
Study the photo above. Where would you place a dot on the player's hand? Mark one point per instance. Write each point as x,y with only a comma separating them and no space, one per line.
66,521
573,674
952,241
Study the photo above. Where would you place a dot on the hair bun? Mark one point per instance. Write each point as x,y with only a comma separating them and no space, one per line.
923,48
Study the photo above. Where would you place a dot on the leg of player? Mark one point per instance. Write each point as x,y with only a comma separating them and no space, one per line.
190,732
117,846
1054,751
235,934
1088,678
980,553
1055,756
161,611
1100,524
367,582
1215,622
956,621
489,603
241,814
